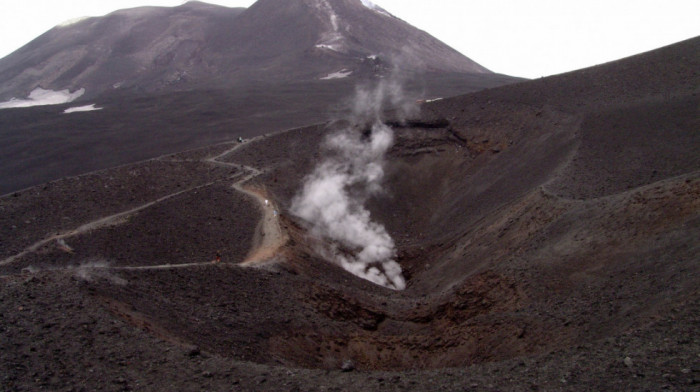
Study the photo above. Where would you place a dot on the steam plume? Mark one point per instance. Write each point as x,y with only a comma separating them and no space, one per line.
334,194
97,269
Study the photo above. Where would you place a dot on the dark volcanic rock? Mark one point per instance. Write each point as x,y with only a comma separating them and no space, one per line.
196,46
543,266
171,79
149,47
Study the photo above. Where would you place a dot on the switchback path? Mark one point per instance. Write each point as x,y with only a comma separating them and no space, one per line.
107,221
269,236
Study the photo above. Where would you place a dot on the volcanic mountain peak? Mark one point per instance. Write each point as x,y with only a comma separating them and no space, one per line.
197,66
145,47
198,45
72,21
375,7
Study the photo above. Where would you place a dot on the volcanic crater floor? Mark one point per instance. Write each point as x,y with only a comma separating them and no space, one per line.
170,266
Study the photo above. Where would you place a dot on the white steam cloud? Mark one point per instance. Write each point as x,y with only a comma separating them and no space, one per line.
93,270
88,270
39,97
333,197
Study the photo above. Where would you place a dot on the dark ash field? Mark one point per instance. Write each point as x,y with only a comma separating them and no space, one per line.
548,232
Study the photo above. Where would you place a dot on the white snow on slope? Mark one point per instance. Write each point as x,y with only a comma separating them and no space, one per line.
375,7
335,48
73,21
39,97
323,5
344,73
332,39
86,108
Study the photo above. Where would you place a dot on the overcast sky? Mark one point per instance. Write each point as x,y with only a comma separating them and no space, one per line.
529,38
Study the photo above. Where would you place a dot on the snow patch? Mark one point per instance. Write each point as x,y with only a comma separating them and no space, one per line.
331,39
39,97
372,57
72,21
375,7
323,5
334,21
433,100
344,73
86,108
335,48
368,4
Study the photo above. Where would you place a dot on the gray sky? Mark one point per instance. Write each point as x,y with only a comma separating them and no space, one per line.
529,38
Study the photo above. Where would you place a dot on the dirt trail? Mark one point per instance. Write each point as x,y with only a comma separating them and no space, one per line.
269,236
105,266
96,224
160,267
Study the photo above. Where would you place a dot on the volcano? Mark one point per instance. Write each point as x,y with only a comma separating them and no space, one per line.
547,232
202,46
171,79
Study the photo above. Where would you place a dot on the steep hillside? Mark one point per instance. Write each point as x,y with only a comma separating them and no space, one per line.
149,47
169,79
547,233
202,46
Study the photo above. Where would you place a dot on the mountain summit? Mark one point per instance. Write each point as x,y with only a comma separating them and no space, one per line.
198,45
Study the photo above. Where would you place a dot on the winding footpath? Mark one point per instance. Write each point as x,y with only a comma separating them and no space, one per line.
269,236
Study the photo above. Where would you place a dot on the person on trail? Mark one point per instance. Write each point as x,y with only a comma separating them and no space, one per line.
218,257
